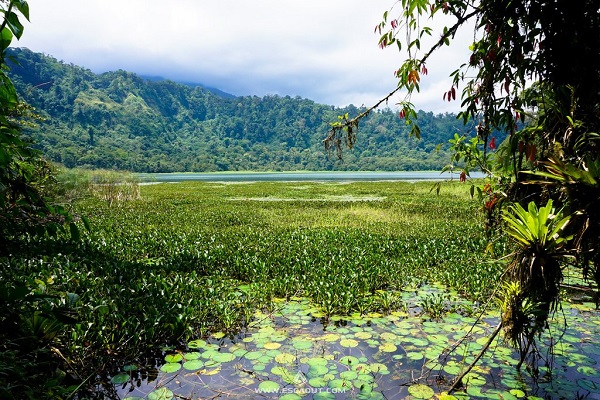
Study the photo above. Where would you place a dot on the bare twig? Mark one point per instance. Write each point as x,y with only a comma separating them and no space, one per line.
350,123
458,380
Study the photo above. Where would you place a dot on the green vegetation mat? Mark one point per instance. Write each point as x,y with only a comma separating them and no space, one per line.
185,261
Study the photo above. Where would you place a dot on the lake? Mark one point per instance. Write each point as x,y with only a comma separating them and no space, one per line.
335,176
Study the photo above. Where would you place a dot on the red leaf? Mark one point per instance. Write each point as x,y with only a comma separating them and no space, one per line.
489,205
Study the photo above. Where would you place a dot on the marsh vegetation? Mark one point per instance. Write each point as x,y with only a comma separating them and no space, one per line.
178,263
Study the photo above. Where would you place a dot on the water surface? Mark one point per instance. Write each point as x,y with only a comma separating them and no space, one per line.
302,176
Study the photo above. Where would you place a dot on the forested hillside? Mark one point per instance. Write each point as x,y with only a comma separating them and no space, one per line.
123,121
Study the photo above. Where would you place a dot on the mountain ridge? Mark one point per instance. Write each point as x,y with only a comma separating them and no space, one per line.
121,120
212,89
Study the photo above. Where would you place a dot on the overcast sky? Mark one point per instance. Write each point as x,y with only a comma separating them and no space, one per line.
324,50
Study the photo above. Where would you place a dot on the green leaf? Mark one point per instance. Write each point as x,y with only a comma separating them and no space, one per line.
6,37
268,387
75,235
421,391
161,394
86,223
173,358
120,379
23,8
12,21
170,367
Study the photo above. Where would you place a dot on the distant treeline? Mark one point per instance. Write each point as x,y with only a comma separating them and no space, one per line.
119,120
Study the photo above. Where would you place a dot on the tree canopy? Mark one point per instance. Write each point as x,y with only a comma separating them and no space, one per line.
25,205
119,120
533,73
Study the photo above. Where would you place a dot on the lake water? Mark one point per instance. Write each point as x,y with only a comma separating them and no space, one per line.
290,353
336,176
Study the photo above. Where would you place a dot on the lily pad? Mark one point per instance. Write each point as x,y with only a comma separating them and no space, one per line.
317,382
324,396
120,379
192,356
272,345
197,344
518,393
218,335
268,387
589,371
349,360
173,358
253,355
388,336
316,361
330,337
363,335
223,357
473,379
285,358
379,368
348,343
340,384
193,365
589,385
317,370
387,347
452,368
161,394
415,356
290,396
170,367
421,391
302,344
350,375
213,371
446,396
367,395
362,368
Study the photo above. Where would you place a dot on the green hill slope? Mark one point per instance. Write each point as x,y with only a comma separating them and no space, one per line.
121,120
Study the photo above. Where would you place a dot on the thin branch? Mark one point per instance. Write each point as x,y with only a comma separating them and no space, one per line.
354,121
458,380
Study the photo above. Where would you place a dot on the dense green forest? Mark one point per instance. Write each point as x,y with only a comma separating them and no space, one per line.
119,120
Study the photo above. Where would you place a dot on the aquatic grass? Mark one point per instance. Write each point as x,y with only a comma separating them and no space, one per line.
111,186
184,260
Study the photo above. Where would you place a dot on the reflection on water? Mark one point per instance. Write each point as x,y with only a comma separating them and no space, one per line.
291,354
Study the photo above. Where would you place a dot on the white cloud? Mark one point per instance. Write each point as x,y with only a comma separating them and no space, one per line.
323,50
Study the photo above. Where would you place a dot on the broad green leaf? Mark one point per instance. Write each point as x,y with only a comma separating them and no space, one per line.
421,391
23,8
120,379
6,37
12,21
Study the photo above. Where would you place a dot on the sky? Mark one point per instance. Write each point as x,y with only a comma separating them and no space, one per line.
323,50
